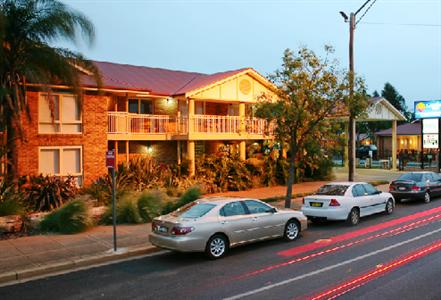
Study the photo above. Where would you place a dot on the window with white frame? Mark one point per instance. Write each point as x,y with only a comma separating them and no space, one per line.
59,113
61,161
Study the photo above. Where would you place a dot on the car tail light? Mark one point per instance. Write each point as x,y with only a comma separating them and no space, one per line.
178,230
391,187
416,188
154,224
334,202
303,200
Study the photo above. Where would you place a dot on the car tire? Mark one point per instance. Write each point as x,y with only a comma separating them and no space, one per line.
427,197
292,231
353,217
217,246
389,207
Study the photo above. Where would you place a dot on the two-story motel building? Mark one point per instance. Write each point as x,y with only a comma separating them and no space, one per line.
168,115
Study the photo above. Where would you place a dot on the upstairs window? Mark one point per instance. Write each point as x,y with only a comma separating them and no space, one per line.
141,106
60,113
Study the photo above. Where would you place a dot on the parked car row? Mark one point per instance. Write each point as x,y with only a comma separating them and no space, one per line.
214,225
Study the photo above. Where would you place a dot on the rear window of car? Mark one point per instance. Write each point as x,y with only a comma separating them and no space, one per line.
411,176
333,190
196,210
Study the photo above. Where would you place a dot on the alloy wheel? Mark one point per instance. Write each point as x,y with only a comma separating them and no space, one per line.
426,197
217,247
291,231
389,207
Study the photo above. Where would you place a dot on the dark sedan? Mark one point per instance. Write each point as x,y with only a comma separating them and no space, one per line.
416,185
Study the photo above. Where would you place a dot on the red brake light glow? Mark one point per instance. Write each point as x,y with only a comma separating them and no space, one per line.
391,187
416,188
177,230
334,202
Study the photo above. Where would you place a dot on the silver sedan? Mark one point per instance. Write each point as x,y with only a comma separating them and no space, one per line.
213,225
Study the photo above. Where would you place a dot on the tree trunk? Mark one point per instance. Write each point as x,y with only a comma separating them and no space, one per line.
11,148
292,172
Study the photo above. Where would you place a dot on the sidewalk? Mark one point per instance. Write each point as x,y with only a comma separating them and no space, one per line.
26,257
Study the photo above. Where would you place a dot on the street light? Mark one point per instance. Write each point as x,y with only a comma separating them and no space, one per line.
351,138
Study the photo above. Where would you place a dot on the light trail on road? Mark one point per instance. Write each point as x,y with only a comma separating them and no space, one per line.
363,279
353,234
393,232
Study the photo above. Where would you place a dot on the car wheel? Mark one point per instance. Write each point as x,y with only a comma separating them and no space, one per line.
292,230
389,207
217,246
427,197
354,217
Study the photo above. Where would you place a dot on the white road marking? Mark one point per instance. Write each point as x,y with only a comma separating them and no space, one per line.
274,285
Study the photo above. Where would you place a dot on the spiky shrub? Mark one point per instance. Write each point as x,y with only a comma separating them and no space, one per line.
126,211
190,195
46,193
11,201
223,173
72,217
150,204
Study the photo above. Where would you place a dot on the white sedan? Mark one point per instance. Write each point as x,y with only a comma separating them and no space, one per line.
347,201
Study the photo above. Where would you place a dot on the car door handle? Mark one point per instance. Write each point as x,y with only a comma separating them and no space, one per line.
254,218
224,222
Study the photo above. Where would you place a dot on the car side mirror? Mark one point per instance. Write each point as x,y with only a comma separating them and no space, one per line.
273,210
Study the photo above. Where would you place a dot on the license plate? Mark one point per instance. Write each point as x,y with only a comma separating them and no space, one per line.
161,229
401,188
316,204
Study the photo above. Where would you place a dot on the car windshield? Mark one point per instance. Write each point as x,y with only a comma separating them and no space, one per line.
411,176
194,210
333,189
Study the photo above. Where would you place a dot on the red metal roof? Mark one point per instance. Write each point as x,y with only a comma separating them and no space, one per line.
404,129
154,80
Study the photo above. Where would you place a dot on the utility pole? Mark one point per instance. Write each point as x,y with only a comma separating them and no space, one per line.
352,124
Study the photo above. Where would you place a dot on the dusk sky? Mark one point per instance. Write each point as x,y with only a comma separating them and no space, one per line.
397,41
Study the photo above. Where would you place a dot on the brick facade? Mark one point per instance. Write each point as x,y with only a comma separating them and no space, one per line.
93,138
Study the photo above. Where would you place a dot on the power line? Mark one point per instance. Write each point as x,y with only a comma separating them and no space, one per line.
403,24
365,12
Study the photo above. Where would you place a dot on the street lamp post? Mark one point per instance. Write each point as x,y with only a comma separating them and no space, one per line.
352,128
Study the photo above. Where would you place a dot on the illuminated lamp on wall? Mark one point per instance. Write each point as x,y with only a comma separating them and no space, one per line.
149,148
169,100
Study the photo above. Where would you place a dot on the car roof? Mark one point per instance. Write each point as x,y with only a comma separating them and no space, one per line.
346,183
223,200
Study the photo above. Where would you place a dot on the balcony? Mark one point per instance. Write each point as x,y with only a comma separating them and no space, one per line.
129,126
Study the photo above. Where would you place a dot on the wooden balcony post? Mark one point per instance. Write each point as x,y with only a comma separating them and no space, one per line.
243,150
242,127
191,157
394,145
190,115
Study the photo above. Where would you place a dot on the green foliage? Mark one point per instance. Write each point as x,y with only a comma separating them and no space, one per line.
11,201
391,94
223,173
11,207
150,205
126,211
46,193
309,89
190,195
72,217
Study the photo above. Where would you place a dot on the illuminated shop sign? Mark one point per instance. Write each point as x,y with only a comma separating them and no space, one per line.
430,141
427,109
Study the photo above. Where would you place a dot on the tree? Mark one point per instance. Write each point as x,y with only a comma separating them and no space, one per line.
309,90
391,94
27,29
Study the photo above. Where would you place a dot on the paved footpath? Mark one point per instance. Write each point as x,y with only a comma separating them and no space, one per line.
26,257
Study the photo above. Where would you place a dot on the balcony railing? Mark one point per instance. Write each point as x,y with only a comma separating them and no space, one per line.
216,124
129,123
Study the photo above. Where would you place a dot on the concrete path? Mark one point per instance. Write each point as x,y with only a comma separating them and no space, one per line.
26,257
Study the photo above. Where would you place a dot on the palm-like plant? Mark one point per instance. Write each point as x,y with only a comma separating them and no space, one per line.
27,29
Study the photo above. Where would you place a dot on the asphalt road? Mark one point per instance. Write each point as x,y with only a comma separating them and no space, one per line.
384,257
